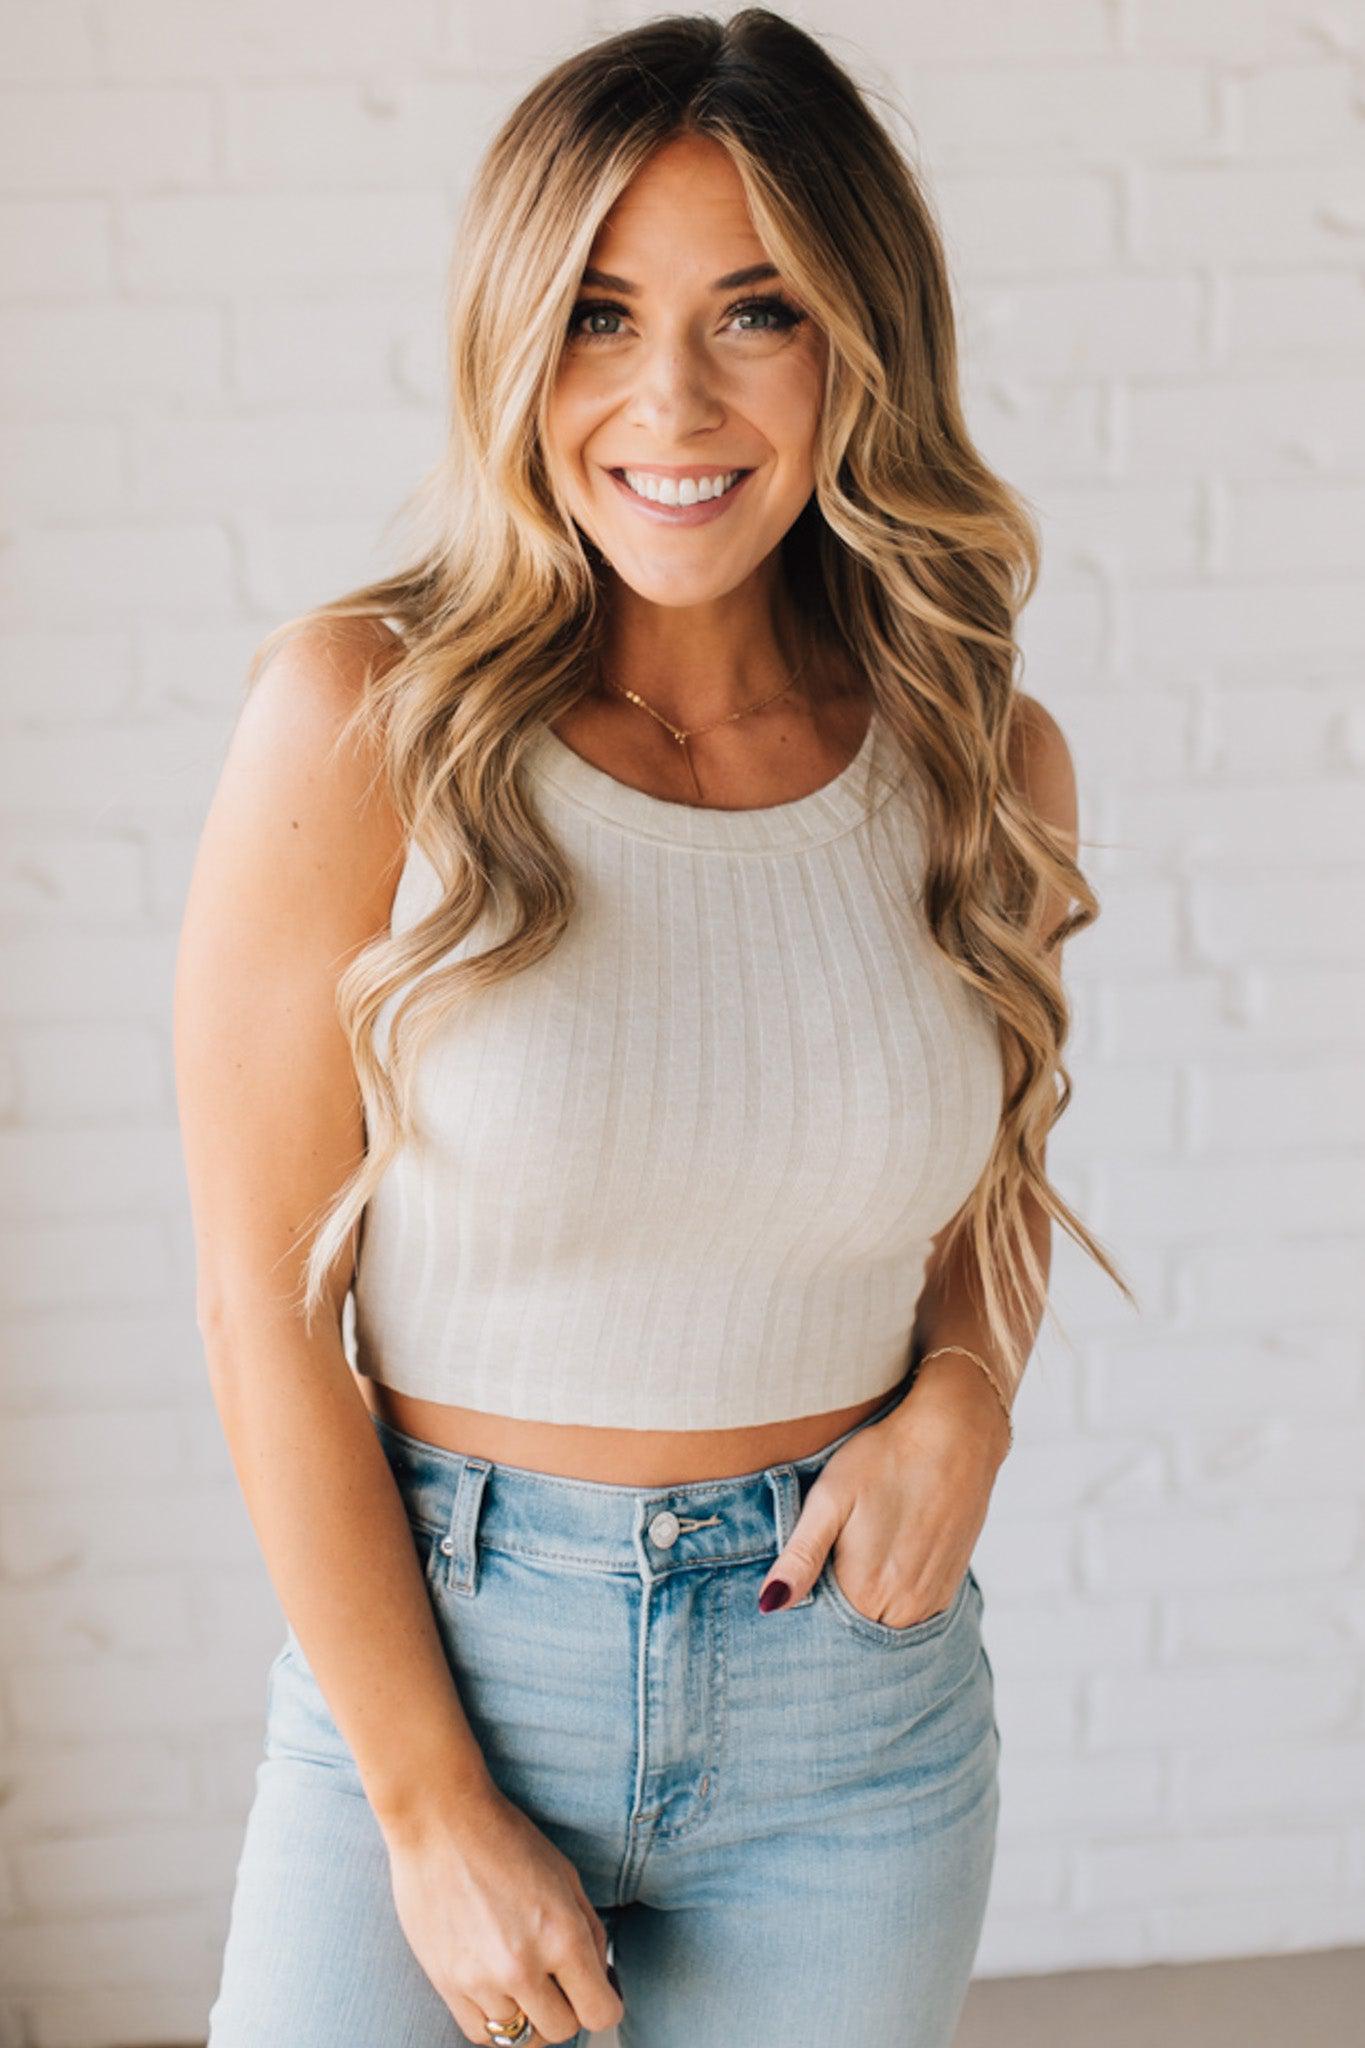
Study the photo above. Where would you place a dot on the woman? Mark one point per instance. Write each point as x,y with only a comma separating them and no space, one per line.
623,952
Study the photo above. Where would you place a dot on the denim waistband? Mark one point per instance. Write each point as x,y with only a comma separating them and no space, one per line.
473,1504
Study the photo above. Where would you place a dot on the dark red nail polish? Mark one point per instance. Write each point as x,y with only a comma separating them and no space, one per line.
775,1594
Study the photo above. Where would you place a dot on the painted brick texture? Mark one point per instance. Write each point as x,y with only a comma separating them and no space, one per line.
223,231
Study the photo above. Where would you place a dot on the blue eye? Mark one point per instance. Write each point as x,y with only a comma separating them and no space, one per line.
784,315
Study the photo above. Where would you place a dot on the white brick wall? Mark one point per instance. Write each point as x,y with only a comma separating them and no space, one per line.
223,230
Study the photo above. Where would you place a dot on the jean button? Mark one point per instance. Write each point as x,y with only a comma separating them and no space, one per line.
665,1528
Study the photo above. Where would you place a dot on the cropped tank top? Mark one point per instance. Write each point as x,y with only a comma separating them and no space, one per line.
684,1171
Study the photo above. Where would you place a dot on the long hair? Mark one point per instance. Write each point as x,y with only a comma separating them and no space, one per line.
909,565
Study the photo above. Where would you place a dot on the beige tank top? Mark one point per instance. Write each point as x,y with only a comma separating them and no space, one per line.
684,1172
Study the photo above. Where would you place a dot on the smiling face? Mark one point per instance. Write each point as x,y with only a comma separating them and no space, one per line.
682,423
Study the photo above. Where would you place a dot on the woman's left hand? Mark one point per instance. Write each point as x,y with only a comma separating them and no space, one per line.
903,1501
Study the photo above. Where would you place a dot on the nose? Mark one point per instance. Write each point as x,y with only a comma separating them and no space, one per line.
673,394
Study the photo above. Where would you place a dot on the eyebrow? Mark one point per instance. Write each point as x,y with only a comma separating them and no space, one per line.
754,274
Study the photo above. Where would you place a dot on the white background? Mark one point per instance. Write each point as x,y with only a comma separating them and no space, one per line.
223,236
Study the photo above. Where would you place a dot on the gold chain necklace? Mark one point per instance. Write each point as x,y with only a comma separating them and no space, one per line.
682,737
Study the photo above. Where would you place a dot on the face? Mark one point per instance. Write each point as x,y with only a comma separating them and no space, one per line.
685,380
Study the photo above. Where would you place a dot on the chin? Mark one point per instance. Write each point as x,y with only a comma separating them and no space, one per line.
678,591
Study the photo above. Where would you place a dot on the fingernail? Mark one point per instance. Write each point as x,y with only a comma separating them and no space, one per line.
775,1594
614,1980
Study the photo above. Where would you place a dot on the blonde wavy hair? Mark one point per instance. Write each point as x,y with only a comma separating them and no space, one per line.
908,565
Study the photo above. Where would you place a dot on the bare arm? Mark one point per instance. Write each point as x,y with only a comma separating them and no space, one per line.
948,1311
295,872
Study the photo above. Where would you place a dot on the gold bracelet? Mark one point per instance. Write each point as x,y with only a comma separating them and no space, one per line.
938,1351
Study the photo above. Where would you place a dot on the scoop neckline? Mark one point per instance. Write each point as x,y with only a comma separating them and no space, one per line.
802,821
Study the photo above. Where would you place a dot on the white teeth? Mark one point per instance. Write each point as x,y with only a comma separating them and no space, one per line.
688,490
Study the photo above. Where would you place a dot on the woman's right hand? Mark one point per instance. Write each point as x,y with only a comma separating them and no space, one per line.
497,1916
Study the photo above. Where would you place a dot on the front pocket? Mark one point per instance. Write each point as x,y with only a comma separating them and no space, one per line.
863,1625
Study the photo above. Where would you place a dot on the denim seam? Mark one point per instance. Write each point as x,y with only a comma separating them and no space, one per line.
603,1567
718,1701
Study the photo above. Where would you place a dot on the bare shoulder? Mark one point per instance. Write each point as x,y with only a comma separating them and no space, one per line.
305,781
323,665
1041,762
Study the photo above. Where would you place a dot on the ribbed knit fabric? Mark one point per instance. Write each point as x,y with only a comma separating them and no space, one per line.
684,1172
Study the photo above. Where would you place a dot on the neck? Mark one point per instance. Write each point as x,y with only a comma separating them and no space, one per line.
696,665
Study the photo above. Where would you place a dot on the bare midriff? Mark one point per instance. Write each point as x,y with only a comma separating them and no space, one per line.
624,1457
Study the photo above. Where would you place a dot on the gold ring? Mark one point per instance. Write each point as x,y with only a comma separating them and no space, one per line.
510,2033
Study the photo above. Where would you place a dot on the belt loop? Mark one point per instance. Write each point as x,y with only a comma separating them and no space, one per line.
460,1544
786,1509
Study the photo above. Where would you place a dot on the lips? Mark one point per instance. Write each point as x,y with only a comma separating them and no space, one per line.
700,514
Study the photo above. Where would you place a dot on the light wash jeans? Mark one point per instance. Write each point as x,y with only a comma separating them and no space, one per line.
786,1821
